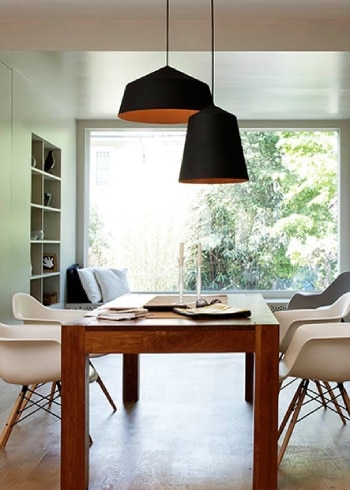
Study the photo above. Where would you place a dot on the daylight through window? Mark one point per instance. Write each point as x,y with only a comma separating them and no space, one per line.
276,232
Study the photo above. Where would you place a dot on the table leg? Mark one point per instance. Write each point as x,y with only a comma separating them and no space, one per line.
249,376
131,378
266,408
74,410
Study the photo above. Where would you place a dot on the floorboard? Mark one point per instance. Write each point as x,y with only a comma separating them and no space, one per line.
191,430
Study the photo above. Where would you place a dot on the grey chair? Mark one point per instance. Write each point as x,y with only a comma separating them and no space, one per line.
337,288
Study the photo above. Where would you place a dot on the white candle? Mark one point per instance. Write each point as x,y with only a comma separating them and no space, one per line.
181,254
199,256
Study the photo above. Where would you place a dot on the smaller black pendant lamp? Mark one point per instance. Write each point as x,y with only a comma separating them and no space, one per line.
165,96
213,152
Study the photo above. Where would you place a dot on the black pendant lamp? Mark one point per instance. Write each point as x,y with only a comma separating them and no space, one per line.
213,152
165,96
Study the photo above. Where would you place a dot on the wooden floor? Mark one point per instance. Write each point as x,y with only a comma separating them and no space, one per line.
191,430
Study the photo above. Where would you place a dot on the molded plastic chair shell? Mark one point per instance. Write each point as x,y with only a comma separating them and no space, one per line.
29,310
337,288
290,320
31,355
318,352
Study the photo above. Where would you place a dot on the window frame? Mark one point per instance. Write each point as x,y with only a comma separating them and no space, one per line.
85,127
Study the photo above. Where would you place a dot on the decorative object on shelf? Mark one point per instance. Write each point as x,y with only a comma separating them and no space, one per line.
213,152
165,96
49,161
47,198
33,162
37,235
49,299
49,262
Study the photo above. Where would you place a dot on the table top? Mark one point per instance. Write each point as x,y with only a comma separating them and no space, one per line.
260,314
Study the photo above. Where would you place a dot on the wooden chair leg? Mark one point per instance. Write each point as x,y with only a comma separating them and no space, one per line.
290,408
296,410
17,410
345,396
335,402
52,393
104,389
26,399
106,392
13,417
320,391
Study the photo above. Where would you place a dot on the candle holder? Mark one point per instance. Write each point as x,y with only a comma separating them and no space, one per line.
181,284
199,281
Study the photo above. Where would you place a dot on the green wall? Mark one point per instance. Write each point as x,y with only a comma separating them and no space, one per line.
24,110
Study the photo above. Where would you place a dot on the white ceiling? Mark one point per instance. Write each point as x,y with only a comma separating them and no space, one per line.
275,59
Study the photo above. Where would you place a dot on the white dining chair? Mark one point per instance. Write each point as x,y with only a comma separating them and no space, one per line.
31,357
317,352
291,320
29,310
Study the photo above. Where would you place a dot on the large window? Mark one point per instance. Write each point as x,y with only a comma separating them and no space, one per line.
277,232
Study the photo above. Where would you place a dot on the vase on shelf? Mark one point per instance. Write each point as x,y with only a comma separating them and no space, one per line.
47,198
49,161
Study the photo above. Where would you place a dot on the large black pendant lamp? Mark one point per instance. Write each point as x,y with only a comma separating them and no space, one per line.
213,152
165,96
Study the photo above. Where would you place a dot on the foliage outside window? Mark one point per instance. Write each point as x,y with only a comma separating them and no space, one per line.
277,232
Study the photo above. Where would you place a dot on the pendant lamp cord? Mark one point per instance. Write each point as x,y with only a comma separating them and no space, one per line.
167,33
212,48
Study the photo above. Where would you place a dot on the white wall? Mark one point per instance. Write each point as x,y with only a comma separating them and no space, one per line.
25,111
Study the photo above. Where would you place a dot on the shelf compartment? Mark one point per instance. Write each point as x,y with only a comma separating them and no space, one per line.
36,254
36,221
36,289
51,286
37,188
51,252
45,212
56,170
52,224
52,193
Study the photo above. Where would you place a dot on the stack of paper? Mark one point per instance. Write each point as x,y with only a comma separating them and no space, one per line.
121,313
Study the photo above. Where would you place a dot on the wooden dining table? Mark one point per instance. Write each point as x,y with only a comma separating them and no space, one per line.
165,332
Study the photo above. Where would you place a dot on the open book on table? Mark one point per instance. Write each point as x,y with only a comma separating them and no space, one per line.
217,310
